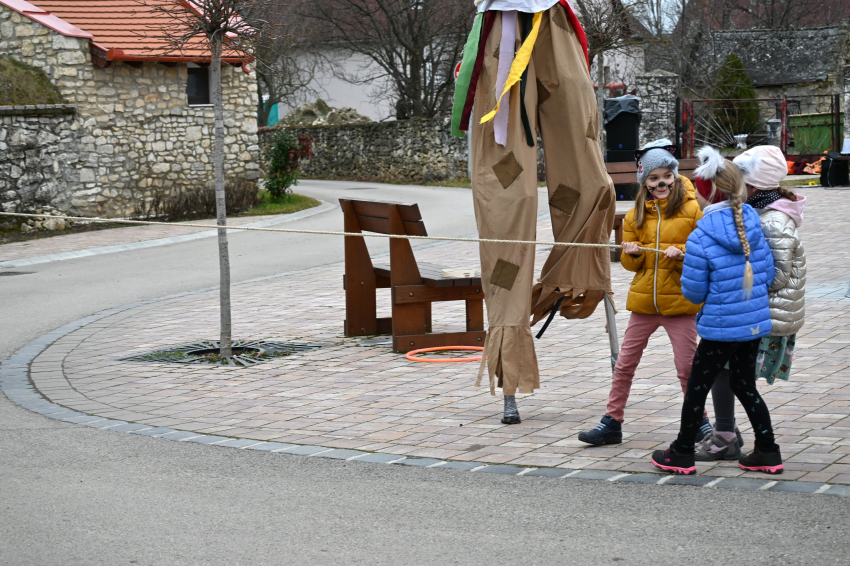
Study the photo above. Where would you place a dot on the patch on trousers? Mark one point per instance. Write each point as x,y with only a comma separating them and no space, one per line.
565,199
605,201
507,170
559,18
504,274
543,93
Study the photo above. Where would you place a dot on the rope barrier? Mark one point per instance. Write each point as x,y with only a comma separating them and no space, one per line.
327,232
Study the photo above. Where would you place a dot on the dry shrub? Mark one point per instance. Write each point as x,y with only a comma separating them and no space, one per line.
199,202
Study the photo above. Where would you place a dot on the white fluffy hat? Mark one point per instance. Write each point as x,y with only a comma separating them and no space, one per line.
763,167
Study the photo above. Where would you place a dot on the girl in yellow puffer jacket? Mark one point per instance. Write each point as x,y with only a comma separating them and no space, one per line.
665,214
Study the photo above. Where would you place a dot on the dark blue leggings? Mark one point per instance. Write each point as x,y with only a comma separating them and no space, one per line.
710,358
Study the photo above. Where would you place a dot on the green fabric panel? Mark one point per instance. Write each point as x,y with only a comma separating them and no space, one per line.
470,53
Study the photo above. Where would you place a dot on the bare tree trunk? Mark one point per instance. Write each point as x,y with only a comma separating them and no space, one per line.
600,97
225,348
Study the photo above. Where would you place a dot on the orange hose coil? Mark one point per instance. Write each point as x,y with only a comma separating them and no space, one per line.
410,355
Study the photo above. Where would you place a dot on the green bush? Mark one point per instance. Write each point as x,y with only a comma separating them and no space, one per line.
733,83
21,85
284,161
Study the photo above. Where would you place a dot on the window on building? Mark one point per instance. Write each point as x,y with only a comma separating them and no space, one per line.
198,85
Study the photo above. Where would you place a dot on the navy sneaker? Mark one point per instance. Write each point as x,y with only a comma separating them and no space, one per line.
705,430
608,431
671,460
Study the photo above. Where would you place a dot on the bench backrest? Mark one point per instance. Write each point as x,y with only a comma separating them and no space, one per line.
626,172
374,216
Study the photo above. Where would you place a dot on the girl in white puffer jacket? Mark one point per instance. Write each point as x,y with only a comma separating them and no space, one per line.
781,214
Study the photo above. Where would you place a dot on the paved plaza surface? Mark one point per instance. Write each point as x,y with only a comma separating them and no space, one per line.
74,494
365,397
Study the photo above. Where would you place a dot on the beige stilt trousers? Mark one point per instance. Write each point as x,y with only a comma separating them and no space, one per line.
560,101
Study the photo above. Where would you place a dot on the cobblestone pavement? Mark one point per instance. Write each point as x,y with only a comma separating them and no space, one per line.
348,395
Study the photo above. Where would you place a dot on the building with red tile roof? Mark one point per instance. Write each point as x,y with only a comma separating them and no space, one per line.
143,122
118,30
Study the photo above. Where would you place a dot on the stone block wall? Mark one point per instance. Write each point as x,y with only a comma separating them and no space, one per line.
414,151
37,148
657,91
407,151
136,134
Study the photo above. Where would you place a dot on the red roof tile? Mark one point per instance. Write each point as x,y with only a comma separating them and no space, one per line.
127,30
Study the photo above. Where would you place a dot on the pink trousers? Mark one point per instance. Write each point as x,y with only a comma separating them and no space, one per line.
681,329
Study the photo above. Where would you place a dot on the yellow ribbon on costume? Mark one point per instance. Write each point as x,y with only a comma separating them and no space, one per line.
523,56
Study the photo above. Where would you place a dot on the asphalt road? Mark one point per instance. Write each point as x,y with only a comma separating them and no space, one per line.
74,495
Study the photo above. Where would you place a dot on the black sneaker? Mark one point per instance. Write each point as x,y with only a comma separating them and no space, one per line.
672,461
704,430
608,431
759,461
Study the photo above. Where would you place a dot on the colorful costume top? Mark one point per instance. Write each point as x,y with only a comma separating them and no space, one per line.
511,70
529,6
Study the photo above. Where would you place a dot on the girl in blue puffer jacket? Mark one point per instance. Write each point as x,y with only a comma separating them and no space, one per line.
728,268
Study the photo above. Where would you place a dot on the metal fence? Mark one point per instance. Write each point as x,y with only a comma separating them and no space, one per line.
733,125
815,124
800,125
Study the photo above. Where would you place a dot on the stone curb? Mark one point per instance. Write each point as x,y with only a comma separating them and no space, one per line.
18,388
278,219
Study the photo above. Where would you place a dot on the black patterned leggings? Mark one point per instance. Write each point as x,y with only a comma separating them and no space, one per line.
710,358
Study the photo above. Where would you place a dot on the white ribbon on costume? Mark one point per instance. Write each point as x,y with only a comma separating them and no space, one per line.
507,46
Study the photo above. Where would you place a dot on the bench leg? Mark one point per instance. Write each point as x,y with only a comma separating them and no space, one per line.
410,319
360,306
618,239
474,315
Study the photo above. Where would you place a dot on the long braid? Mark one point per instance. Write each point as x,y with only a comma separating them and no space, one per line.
787,194
730,181
738,214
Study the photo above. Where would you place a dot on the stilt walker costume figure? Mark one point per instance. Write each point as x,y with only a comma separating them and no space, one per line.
525,68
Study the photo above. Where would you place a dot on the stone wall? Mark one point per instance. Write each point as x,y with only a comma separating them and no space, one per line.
137,135
414,151
657,92
37,148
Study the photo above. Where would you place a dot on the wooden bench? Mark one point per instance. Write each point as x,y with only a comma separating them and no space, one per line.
413,286
625,173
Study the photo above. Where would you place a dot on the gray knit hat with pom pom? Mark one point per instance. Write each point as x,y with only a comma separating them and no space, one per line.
656,154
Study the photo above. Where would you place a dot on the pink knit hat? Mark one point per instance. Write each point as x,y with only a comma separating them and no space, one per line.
763,167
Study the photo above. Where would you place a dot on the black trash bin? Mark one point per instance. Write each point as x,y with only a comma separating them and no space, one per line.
622,127
835,170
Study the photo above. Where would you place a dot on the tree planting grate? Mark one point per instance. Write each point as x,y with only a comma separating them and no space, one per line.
206,352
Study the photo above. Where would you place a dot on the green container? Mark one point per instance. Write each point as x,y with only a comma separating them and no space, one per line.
813,132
